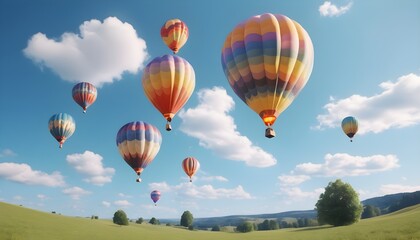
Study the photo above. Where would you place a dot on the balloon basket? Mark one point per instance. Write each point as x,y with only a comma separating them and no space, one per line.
270,133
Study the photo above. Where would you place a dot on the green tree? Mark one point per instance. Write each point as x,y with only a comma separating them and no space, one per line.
140,220
245,227
215,228
120,218
154,221
370,211
274,225
187,219
339,205
264,226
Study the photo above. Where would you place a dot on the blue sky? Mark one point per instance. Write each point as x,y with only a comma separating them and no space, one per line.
367,64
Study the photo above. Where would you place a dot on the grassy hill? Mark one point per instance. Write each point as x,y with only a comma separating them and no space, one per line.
21,223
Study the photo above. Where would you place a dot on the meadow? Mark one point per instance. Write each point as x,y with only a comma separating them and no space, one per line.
17,222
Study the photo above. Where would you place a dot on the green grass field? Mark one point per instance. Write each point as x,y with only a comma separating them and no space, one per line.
22,223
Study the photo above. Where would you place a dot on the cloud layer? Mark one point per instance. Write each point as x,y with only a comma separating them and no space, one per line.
90,165
100,54
202,192
397,106
343,164
23,173
75,192
327,9
215,129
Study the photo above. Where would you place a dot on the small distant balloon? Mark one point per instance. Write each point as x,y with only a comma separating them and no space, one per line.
350,126
190,166
155,196
84,94
61,126
174,34
138,143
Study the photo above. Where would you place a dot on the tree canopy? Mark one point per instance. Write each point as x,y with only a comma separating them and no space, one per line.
120,218
339,205
187,219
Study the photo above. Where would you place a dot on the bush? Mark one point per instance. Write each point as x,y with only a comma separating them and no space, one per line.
339,205
191,227
120,218
154,221
215,228
245,227
140,220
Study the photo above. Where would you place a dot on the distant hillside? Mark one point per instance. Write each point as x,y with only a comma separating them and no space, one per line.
237,219
393,202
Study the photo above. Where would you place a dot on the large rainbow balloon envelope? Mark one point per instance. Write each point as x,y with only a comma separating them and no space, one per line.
190,165
174,34
84,94
155,196
61,126
168,82
267,60
350,126
138,143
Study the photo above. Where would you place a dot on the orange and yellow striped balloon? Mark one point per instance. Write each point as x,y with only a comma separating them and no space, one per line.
175,34
168,83
267,60
190,166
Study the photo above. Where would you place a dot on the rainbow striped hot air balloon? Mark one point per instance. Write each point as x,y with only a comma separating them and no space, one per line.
84,94
267,60
61,126
174,34
350,126
138,143
155,196
190,166
168,83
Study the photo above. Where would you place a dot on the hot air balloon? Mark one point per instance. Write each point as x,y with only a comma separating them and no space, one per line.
174,34
61,126
84,94
267,60
190,166
350,126
155,196
168,83
138,143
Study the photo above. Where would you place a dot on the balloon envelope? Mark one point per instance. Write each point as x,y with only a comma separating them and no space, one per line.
84,94
267,60
174,34
190,166
61,126
350,126
155,196
168,83
138,143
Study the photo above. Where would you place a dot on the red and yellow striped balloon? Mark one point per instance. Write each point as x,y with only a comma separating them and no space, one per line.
174,33
168,83
190,166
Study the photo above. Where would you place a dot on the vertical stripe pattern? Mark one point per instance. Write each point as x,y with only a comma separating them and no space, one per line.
84,94
350,126
174,34
190,166
61,126
267,60
138,143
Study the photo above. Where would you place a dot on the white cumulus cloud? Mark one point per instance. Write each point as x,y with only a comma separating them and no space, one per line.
292,180
213,178
106,204
215,129
327,9
23,173
99,54
343,164
397,106
297,194
202,192
75,192
90,165
122,203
